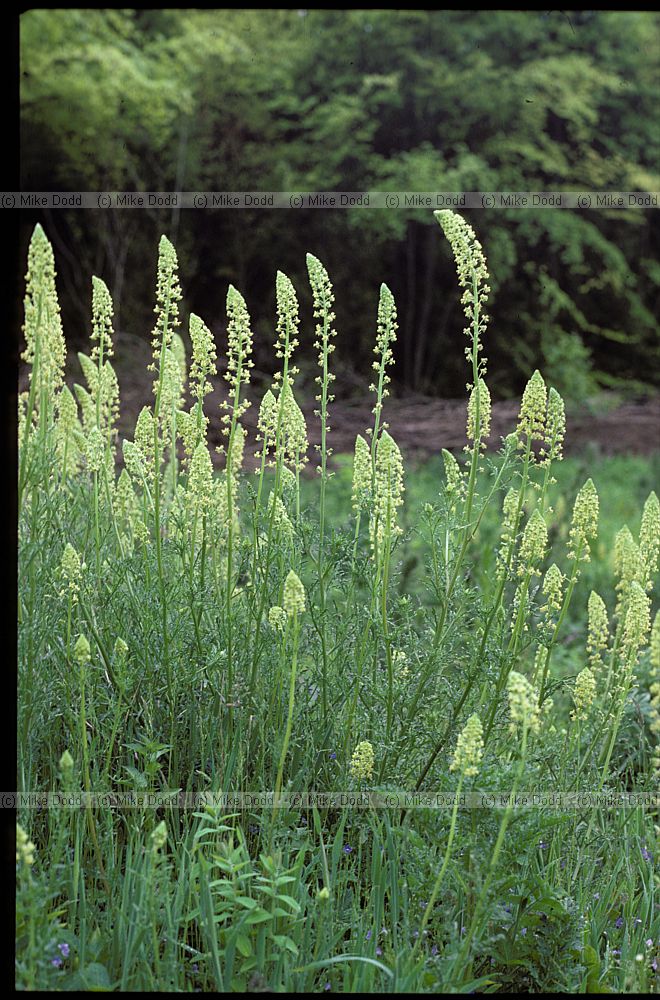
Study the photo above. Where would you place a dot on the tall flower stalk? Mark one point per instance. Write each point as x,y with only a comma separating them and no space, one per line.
168,295
323,299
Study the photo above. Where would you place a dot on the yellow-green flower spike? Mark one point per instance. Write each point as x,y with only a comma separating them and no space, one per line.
172,392
362,474
24,848
267,421
200,479
203,363
294,595
239,361
385,337
553,586
523,703
67,418
534,544
102,313
362,761
469,748
71,569
143,437
81,651
508,535
277,618
455,481
628,567
124,495
584,524
555,429
637,620
120,651
584,693
323,299
389,489
484,413
598,630
95,450
294,440
471,271
531,420
287,324
282,524
168,296
44,339
649,538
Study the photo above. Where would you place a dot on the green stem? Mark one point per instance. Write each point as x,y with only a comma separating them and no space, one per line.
289,720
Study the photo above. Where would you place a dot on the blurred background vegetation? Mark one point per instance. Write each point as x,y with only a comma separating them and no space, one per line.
232,100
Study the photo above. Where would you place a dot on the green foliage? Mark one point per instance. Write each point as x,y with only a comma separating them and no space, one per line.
185,631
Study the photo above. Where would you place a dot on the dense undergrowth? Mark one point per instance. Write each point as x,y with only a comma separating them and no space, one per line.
183,633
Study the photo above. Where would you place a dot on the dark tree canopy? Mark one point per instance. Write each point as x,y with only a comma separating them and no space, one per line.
356,100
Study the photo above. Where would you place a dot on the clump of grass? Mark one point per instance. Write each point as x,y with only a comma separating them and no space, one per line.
186,633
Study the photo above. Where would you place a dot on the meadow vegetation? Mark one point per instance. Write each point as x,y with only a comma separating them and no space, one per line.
468,629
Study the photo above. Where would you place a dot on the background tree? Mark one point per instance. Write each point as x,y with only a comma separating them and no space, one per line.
358,100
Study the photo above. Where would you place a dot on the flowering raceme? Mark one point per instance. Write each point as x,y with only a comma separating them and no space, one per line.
555,429
583,694
24,848
471,271
362,761
294,595
168,296
323,297
523,703
533,545
239,361
553,585
389,490
597,630
362,474
385,337
531,420
45,347
71,569
484,413
584,524
469,748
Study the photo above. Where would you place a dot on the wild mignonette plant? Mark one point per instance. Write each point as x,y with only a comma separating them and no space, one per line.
188,632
